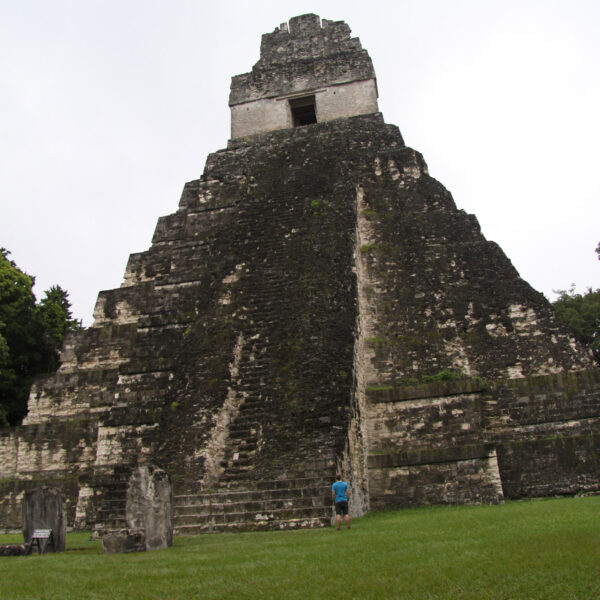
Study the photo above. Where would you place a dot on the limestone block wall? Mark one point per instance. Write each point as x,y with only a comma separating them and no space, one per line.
547,433
465,480
8,453
349,100
268,114
333,102
55,453
472,441
427,445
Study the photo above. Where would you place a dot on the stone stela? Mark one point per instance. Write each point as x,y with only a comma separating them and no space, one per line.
44,520
317,303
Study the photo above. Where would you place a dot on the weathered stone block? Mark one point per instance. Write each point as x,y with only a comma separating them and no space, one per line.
124,542
150,506
564,462
12,550
44,508
471,481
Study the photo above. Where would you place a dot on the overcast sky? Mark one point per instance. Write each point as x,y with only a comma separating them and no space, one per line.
108,107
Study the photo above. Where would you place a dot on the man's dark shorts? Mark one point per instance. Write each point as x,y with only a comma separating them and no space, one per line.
341,508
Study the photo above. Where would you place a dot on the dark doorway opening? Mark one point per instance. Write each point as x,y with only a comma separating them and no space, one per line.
303,111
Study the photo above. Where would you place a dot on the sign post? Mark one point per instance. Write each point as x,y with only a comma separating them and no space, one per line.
42,539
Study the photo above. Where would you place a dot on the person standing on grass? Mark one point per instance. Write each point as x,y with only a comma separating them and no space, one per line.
339,496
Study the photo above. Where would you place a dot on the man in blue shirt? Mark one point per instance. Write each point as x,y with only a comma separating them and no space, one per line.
339,496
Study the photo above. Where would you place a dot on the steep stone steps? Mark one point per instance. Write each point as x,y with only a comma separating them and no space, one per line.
232,497
111,515
242,457
109,525
261,525
251,520
292,507
285,504
240,427
247,440
241,512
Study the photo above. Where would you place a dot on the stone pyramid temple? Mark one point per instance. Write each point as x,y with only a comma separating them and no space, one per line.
317,303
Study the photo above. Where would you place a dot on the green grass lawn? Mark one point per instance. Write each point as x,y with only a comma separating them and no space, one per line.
536,549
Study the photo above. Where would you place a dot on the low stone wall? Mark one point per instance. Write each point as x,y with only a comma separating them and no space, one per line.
547,433
470,478
57,454
470,441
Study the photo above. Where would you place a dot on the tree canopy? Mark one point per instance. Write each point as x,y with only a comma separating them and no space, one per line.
31,336
581,313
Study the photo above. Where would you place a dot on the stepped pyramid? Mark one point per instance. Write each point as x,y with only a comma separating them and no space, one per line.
316,304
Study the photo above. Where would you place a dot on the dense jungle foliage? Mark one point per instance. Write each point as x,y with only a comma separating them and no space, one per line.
31,336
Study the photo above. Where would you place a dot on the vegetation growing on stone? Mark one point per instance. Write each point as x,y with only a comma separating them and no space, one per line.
370,214
379,388
317,207
444,375
365,248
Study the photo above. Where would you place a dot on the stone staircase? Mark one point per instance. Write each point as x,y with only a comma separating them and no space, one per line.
278,504
246,496
110,515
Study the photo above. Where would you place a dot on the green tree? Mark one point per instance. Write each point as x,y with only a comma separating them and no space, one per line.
54,316
581,313
31,336
18,328
7,377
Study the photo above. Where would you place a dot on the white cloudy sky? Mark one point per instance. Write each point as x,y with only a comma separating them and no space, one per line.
108,106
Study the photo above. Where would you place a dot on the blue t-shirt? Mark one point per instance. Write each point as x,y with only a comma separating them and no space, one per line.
340,487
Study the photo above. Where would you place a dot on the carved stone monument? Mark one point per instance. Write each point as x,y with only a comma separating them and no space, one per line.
150,506
44,511
148,513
